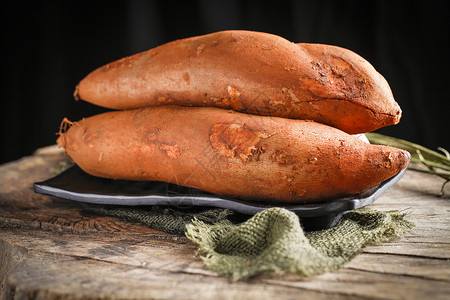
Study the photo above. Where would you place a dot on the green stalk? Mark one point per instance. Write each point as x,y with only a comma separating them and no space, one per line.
435,162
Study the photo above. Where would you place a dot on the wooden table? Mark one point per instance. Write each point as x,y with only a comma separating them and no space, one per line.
51,249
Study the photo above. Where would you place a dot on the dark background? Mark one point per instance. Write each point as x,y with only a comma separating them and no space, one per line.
48,46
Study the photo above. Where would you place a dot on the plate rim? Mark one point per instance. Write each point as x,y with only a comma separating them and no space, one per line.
311,209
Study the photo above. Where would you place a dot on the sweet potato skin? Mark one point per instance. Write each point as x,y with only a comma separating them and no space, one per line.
229,153
251,72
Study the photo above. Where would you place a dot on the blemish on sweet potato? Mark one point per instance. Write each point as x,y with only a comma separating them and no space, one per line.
234,95
164,100
282,158
268,47
300,192
221,102
200,49
341,76
90,139
288,178
187,78
151,136
234,140
233,100
172,151
312,160
292,96
277,102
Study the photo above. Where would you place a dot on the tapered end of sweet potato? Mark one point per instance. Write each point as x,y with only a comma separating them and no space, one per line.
76,93
388,161
351,85
400,159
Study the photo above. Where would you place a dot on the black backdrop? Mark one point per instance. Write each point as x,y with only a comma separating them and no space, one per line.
48,46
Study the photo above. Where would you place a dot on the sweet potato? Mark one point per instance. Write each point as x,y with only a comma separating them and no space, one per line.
251,72
228,153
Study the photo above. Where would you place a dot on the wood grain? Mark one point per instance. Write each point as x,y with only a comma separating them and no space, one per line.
51,249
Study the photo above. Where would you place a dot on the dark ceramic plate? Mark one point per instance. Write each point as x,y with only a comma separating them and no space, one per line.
75,184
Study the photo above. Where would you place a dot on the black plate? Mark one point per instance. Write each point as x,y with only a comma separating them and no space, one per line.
75,184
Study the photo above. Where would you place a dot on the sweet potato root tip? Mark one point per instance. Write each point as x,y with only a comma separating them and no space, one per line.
63,127
76,93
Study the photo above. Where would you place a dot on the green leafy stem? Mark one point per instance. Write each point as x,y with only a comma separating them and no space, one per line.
428,161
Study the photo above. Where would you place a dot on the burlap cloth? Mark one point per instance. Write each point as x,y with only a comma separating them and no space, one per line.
273,240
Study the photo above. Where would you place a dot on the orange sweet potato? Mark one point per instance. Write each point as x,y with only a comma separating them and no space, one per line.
228,153
251,72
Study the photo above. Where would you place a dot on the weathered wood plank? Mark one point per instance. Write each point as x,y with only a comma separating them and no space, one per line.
372,285
38,277
58,279
436,269
10,256
177,255
173,254
430,250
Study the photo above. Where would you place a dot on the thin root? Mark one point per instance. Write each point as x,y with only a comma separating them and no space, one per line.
65,125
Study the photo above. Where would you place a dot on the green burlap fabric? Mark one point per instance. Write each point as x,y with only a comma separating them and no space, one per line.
272,240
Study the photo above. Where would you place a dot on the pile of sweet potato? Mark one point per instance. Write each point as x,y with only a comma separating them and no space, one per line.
241,114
